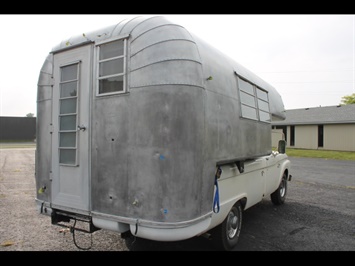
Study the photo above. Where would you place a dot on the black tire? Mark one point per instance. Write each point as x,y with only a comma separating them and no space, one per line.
278,197
226,235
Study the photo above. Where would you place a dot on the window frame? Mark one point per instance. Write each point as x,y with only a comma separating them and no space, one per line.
76,113
257,107
98,61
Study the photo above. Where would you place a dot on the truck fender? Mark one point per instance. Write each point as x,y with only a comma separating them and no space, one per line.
285,167
225,207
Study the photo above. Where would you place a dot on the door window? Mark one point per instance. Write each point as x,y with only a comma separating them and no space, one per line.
68,116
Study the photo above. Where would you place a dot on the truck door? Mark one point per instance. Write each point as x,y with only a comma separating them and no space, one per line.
71,129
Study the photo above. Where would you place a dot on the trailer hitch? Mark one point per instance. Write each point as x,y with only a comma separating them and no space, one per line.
58,217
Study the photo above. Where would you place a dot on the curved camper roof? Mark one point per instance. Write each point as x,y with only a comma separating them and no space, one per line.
137,26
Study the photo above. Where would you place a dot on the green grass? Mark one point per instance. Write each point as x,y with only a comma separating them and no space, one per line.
17,144
15,140
325,154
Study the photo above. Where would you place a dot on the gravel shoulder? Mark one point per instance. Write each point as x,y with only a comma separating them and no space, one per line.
22,228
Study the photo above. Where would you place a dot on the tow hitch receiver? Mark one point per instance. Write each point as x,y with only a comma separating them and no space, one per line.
58,217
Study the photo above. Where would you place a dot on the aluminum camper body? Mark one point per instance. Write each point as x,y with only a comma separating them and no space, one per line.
134,119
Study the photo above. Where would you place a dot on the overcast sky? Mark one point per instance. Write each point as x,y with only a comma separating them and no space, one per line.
309,59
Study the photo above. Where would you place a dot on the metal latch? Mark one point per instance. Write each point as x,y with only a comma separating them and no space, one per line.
82,127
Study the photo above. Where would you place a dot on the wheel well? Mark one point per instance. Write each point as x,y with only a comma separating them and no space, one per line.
286,172
243,202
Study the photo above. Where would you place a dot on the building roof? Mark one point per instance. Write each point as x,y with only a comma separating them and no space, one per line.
338,114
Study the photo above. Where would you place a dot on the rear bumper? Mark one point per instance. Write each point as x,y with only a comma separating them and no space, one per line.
159,231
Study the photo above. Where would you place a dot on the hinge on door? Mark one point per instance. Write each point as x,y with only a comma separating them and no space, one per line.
50,175
50,128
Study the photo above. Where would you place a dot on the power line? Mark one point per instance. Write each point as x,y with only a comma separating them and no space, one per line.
300,71
298,82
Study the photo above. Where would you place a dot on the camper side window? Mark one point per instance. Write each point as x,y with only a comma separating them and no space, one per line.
111,68
254,101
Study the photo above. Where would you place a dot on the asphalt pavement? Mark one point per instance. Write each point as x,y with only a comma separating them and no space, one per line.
326,171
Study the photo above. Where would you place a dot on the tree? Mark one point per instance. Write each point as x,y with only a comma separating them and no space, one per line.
348,99
30,115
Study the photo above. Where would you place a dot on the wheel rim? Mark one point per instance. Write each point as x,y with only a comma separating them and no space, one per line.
283,188
232,225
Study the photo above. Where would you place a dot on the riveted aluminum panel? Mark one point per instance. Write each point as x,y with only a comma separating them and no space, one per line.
127,26
156,35
149,24
228,136
165,51
146,153
167,73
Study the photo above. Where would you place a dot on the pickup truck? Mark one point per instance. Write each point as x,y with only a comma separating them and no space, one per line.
240,187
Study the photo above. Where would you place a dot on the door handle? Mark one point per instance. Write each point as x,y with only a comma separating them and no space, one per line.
82,127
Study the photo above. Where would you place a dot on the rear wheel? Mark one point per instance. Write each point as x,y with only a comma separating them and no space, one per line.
225,236
279,195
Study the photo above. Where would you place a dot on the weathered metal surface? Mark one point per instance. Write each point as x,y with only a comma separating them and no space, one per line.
154,149
44,130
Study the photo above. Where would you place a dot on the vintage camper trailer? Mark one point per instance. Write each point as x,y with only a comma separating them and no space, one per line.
145,129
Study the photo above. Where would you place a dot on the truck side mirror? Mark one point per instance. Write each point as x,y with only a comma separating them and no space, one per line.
282,146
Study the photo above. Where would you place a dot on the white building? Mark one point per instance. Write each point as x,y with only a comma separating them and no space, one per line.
328,128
